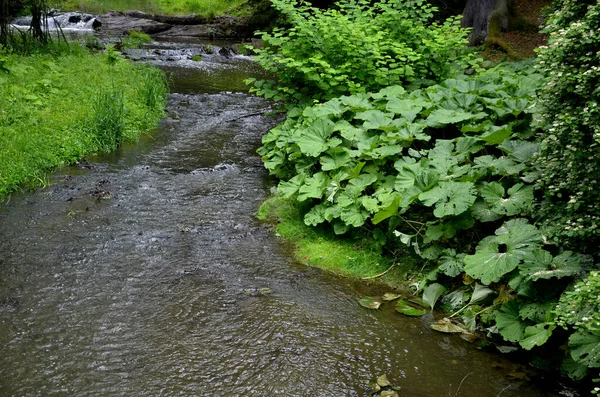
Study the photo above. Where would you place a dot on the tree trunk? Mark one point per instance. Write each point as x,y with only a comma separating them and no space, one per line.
39,21
4,22
486,17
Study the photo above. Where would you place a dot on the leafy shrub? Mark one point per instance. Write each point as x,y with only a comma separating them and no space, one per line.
570,151
392,155
358,48
439,168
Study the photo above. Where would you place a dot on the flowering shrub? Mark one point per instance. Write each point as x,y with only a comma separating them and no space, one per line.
570,150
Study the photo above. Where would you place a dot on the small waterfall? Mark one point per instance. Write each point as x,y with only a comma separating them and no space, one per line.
66,21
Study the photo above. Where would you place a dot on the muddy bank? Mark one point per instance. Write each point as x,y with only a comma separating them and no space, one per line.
221,27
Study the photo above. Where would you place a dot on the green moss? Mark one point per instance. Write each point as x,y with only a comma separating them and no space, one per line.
197,58
318,247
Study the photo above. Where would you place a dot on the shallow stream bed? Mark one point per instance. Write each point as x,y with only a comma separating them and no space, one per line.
144,272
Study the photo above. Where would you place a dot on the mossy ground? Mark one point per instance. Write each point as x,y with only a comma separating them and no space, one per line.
521,40
321,248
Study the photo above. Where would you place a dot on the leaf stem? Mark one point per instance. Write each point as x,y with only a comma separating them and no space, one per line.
380,274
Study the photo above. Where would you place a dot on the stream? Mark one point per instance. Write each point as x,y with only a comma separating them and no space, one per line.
140,273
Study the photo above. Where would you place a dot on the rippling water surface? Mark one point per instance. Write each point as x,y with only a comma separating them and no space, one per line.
128,276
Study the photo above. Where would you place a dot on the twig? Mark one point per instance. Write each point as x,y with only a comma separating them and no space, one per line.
461,383
380,274
244,116
502,391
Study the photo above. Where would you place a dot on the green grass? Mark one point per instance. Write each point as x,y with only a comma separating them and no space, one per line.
345,256
55,108
207,8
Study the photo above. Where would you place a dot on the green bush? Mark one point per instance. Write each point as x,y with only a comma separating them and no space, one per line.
570,151
357,48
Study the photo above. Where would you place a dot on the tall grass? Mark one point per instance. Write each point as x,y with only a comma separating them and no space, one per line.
108,121
55,108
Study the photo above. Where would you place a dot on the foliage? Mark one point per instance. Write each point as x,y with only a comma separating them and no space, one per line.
570,151
579,307
367,159
49,105
135,39
452,166
357,48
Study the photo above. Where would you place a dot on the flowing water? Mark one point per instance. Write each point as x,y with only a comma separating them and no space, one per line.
140,273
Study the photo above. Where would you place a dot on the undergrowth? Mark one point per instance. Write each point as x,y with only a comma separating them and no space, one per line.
452,162
57,107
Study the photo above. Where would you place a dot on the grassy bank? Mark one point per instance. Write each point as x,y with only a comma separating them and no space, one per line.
164,7
350,257
56,108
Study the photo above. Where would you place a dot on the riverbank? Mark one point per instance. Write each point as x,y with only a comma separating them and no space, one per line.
352,257
58,106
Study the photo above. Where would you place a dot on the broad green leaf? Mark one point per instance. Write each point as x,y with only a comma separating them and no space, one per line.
518,199
432,293
522,151
313,139
315,216
335,158
468,145
370,302
391,91
333,107
482,212
585,348
537,312
540,264
450,198
407,108
313,187
363,180
387,151
455,299
536,335
509,324
289,188
369,203
506,166
574,370
480,293
466,101
498,255
349,132
496,135
442,116
451,264
469,317
340,227
354,216
356,102
435,232
389,211
374,119
413,308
